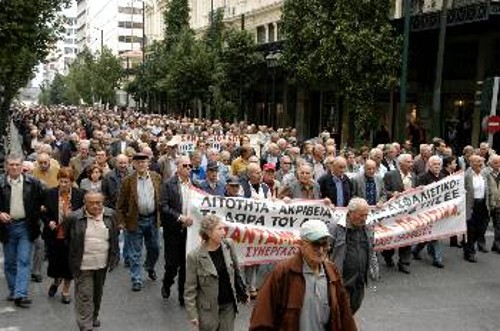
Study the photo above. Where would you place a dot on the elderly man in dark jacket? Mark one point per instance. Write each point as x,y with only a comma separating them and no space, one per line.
351,250
175,195
92,236
304,292
397,181
111,182
434,247
21,198
335,185
110,187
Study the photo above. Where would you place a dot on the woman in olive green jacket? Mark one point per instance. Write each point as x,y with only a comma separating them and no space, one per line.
213,281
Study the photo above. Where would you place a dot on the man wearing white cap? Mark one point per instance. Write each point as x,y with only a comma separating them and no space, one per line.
304,292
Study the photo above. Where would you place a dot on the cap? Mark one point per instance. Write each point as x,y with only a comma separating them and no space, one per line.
314,230
231,180
269,166
140,156
212,165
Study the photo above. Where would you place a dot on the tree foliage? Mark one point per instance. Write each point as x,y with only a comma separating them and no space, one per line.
215,71
176,18
91,78
28,29
347,44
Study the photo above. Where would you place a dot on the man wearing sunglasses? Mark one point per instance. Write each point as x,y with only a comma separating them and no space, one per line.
175,195
351,250
304,292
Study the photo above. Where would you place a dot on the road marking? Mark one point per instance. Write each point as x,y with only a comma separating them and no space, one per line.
10,328
6,310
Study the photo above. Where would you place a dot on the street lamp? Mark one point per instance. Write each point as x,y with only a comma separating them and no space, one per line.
272,61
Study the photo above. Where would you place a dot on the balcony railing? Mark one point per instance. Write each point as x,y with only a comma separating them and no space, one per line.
426,13
430,6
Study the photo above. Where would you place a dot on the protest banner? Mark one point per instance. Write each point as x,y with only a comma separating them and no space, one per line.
268,231
186,143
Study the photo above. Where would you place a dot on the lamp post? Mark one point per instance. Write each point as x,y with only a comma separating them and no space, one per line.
401,117
272,61
4,120
141,98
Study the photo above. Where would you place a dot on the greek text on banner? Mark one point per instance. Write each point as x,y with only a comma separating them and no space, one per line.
268,231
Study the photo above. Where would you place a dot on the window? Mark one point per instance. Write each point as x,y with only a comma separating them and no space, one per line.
130,25
280,35
130,39
68,50
129,10
261,34
270,28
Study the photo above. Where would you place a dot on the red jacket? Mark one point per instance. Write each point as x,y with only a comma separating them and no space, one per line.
281,298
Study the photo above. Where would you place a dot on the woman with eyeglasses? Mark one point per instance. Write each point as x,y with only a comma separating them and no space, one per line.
213,281
60,202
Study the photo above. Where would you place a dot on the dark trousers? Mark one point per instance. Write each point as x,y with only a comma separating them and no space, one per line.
89,286
356,295
175,259
404,254
476,226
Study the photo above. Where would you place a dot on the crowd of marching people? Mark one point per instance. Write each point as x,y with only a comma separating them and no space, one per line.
89,177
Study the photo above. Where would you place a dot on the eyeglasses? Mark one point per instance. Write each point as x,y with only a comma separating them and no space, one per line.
287,162
316,245
187,166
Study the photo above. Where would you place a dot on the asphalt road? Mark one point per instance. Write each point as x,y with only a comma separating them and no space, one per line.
463,296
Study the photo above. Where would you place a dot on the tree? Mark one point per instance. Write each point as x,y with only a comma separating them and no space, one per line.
345,44
191,66
93,78
176,19
240,60
214,36
57,91
107,74
81,76
28,29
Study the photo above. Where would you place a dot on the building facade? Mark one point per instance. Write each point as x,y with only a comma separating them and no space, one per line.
471,51
261,17
65,49
115,24
153,20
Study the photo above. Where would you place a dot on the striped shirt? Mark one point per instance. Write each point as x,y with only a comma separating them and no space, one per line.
145,195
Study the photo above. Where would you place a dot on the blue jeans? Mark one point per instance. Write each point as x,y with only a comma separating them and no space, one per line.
434,248
146,228
17,252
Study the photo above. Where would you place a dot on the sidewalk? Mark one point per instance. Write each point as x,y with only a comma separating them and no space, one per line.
15,140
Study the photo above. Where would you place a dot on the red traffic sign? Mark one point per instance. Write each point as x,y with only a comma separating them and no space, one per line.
493,124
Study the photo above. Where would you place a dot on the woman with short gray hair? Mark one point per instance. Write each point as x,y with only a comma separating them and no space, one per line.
213,281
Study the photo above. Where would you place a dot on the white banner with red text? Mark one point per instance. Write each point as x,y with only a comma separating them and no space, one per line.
186,143
267,231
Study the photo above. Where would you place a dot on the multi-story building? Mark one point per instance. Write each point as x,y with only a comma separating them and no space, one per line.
456,108
116,24
261,17
65,49
153,19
